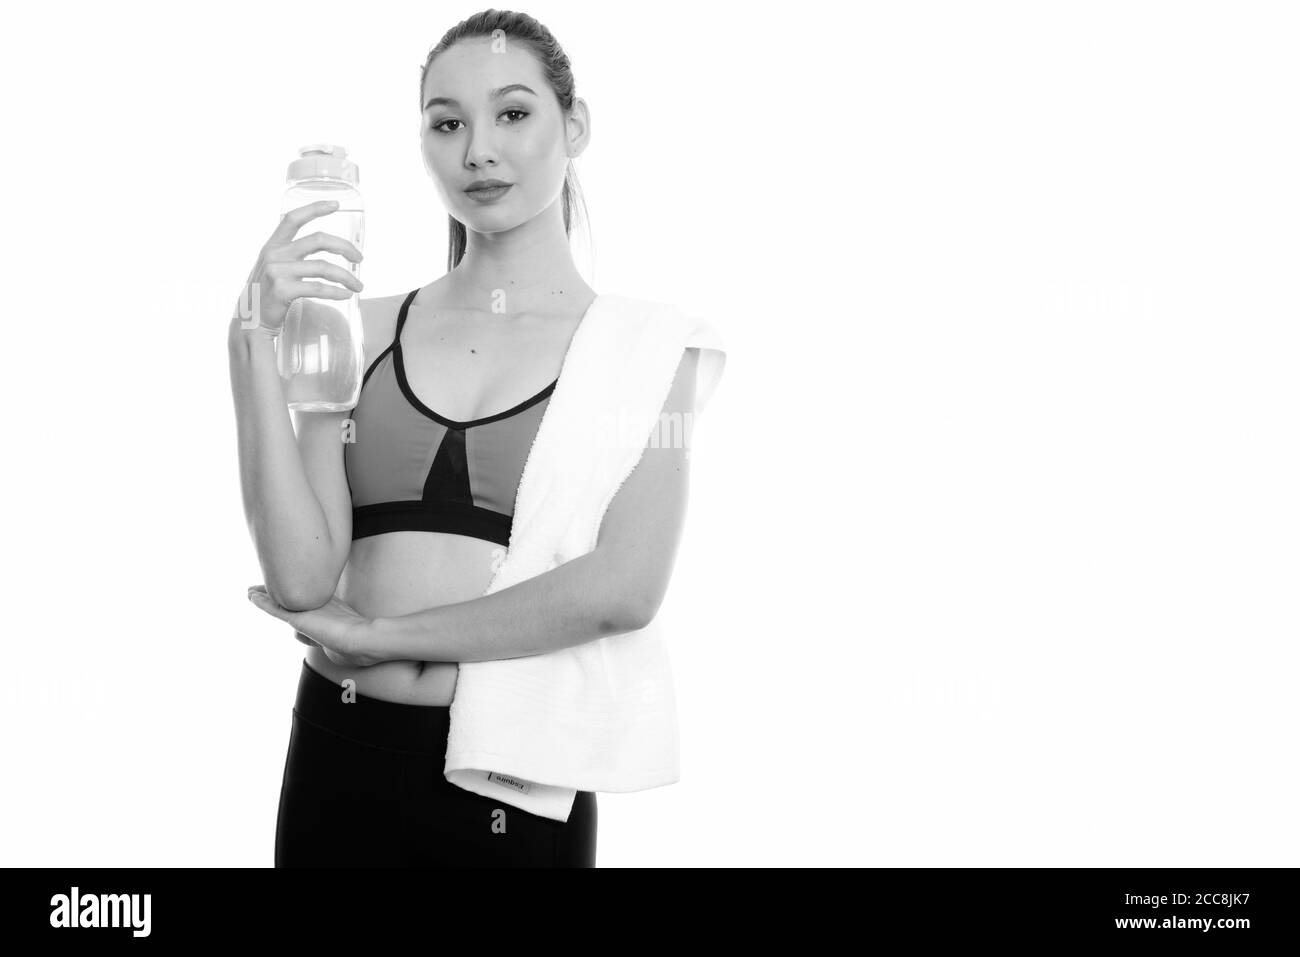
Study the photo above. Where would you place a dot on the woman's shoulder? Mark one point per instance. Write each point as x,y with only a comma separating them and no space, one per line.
698,331
379,320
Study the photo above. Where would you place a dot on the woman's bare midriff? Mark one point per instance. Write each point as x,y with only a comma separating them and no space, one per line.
387,576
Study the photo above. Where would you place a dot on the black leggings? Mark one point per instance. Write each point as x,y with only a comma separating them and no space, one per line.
363,786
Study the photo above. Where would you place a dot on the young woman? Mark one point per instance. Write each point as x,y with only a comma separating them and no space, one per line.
412,515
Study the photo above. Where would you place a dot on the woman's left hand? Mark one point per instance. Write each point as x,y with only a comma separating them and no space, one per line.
335,626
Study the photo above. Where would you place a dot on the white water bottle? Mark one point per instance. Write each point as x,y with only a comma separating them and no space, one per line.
319,352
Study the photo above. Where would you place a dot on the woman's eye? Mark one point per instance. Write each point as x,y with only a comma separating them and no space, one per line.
439,125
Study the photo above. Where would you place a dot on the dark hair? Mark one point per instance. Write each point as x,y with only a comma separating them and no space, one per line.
555,65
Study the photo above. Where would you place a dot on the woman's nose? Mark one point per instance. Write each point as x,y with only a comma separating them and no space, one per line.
482,152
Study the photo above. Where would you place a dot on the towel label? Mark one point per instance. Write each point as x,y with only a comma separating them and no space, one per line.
520,786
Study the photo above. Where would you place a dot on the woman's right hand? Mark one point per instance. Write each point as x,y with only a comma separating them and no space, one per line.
277,277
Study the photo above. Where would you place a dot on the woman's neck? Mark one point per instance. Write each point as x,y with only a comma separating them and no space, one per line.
525,268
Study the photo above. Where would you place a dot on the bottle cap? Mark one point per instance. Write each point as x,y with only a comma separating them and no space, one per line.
324,160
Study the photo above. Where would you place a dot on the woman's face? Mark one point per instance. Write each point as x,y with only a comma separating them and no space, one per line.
490,115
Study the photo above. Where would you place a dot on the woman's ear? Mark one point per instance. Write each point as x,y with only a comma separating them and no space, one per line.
577,127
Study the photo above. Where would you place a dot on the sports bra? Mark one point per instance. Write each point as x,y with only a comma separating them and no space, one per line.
411,469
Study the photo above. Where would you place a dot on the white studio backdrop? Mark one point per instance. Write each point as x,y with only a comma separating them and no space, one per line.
991,550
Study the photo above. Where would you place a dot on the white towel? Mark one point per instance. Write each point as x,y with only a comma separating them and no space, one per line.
602,715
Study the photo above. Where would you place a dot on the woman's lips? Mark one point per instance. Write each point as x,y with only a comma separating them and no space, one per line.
488,195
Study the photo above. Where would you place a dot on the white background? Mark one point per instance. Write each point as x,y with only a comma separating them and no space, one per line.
992,548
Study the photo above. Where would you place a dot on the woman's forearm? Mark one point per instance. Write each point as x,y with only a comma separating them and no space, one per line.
284,517
576,602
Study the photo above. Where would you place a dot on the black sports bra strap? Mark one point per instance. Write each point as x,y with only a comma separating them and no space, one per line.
401,316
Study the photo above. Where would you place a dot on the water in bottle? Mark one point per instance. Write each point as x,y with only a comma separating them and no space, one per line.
319,352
